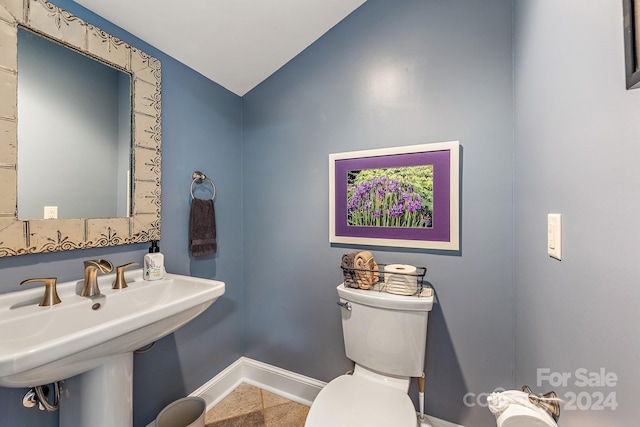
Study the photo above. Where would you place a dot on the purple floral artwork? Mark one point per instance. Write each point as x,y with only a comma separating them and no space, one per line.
398,196
391,197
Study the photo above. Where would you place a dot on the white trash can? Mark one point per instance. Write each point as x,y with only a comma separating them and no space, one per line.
185,412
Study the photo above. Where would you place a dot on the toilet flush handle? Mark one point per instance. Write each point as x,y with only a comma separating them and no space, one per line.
345,304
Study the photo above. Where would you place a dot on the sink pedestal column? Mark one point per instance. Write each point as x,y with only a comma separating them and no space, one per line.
101,397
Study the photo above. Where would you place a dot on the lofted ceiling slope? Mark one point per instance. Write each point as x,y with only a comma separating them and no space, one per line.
235,43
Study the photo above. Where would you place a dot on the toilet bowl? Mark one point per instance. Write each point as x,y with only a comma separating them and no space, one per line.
385,335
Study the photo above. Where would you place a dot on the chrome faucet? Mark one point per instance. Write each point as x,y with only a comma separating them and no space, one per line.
91,268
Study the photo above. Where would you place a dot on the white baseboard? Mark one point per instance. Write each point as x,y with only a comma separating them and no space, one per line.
437,422
290,385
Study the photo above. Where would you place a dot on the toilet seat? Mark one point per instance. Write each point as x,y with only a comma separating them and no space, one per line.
351,401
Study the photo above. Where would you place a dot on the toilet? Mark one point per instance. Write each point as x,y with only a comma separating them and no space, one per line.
385,335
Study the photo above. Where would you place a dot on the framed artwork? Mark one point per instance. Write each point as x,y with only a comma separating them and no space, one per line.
399,196
631,10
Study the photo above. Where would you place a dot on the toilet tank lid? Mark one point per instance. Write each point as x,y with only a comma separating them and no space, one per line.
382,299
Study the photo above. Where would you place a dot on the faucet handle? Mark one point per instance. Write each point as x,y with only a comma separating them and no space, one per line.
104,265
50,294
120,282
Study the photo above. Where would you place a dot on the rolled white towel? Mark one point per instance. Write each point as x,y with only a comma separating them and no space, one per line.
498,402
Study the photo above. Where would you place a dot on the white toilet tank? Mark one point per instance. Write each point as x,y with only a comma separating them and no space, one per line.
385,332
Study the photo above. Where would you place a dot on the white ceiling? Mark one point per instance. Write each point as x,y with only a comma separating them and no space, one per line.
235,43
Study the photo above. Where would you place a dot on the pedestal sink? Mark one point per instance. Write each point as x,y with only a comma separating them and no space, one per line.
93,339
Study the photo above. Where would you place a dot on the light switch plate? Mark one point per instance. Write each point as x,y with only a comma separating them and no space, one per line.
554,235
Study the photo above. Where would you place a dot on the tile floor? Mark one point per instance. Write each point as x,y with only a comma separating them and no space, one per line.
250,406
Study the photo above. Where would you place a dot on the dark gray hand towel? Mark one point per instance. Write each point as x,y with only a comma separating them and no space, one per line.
202,228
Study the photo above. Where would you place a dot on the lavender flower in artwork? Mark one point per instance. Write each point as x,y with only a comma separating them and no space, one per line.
413,205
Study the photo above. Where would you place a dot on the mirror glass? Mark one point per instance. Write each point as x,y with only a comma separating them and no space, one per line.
103,152
74,133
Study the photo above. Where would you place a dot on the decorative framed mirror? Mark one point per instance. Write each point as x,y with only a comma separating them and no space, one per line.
33,217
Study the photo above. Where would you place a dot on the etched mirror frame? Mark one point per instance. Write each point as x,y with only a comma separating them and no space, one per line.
19,237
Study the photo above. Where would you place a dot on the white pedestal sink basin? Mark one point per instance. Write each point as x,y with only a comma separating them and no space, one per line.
94,337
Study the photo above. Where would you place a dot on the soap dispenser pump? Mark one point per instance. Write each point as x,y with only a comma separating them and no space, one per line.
153,263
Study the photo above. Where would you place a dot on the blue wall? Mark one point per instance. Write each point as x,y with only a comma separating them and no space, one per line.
393,73
577,150
201,130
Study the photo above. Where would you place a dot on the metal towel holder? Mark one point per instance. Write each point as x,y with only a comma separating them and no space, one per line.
199,178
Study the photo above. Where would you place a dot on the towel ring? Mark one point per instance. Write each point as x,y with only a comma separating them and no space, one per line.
199,178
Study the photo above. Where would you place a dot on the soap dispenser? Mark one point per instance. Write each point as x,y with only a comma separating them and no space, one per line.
153,263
